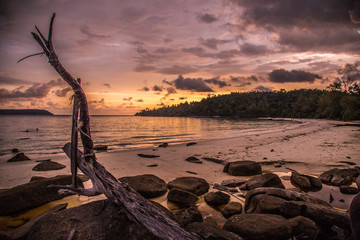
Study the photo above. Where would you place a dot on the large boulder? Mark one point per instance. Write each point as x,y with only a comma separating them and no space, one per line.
96,220
148,185
339,177
259,226
48,165
182,197
303,228
19,157
305,182
216,199
243,168
210,232
188,215
32,194
194,185
264,180
231,209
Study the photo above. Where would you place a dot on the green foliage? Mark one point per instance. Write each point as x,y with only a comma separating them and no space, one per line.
303,103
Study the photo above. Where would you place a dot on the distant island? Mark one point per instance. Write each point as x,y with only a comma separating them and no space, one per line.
25,112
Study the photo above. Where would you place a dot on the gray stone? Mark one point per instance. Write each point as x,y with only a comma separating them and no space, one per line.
305,182
194,185
182,197
96,220
216,199
259,226
19,158
188,215
231,209
48,166
148,185
243,168
264,180
210,232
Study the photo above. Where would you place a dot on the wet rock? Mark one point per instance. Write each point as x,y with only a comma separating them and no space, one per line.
233,182
305,182
152,165
14,150
33,194
348,190
48,166
210,232
243,168
164,145
264,180
348,162
96,220
231,209
182,197
339,177
148,155
188,215
303,228
147,185
194,185
18,158
216,199
193,160
100,147
191,143
259,226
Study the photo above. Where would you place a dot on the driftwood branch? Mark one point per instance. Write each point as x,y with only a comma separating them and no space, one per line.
133,204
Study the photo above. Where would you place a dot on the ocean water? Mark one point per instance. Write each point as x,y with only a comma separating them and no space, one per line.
45,135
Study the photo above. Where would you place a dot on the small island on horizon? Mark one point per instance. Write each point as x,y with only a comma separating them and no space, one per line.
25,112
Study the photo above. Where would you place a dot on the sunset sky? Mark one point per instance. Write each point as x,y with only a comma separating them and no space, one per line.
147,53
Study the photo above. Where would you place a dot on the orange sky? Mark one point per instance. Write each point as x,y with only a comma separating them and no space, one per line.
136,54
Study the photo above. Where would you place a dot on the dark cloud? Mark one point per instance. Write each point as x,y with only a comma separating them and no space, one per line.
249,49
163,50
171,90
284,76
144,68
145,89
127,99
206,17
62,92
182,98
217,81
140,100
157,88
85,30
12,81
200,52
176,69
261,88
107,85
193,84
213,42
35,91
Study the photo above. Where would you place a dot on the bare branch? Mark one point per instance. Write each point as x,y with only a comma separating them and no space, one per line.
41,53
42,36
51,31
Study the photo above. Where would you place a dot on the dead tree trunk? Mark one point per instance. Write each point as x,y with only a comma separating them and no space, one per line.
137,208
74,140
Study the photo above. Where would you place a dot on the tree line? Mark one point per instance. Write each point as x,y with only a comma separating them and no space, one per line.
334,103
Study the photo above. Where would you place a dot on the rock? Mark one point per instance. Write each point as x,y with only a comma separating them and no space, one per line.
191,143
348,162
48,166
33,194
100,147
96,220
215,160
152,165
264,180
216,199
14,150
305,182
191,172
259,226
18,158
148,185
291,204
194,185
210,232
338,177
348,190
233,182
243,168
182,197
188,215
231,209
164,145
148,155
303,228
193,160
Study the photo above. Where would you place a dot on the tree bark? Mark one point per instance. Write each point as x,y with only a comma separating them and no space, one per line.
134,205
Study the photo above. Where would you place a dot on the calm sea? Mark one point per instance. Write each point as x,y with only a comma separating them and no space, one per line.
45,135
